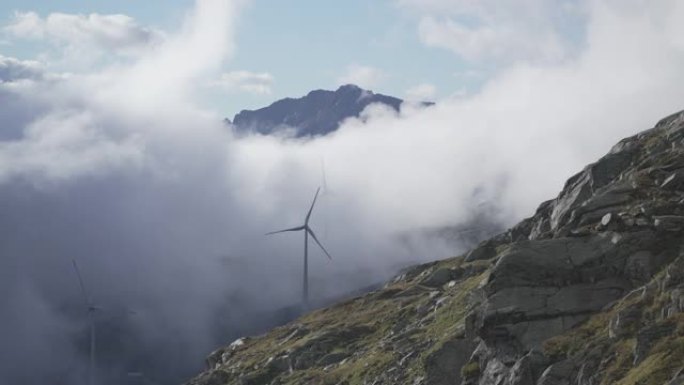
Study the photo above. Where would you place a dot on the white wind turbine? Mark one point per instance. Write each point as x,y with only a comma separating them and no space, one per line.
307,231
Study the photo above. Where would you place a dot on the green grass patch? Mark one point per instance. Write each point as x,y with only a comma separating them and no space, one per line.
470,370
666,358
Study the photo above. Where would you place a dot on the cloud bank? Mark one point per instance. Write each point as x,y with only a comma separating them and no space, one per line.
115,32
12,69
164,209
509,30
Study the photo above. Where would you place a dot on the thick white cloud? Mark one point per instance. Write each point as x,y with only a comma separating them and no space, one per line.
114,33
65,145
504,31
362,76
259,83
78,136
111,144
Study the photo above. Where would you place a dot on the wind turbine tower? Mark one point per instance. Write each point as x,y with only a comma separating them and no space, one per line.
326,193
90,309
307,231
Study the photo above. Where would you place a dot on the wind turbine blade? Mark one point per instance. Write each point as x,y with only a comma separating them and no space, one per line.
300,228
80,283
308,215
317,242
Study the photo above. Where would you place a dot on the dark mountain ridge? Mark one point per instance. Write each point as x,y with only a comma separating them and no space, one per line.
318,113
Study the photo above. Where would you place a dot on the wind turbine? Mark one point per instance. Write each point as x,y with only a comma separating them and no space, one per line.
325,180
307,231
90,308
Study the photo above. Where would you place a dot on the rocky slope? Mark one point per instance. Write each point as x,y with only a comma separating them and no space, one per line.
587,291
318,113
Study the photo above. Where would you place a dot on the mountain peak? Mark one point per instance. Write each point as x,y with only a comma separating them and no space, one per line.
318,113
351,87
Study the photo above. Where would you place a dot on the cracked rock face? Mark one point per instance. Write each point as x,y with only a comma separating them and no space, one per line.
588,291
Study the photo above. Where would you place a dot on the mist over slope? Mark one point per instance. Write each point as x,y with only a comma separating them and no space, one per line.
588,290
122,168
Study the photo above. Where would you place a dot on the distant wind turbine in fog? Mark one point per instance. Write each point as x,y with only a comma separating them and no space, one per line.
90,309
307,231
325,180
326,193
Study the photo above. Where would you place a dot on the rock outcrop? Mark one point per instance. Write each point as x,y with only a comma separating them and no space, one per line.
588,291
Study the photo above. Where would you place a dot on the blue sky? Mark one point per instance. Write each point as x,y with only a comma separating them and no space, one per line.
311,45
308,46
